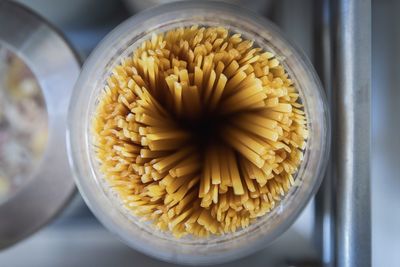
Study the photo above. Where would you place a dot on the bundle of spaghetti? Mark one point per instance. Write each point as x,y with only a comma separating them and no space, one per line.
158,166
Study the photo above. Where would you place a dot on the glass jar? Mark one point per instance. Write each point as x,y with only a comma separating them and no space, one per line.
37,71
120,43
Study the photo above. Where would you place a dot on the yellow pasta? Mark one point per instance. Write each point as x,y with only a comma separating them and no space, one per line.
199,131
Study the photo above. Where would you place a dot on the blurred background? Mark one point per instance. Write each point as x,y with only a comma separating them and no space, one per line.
76,238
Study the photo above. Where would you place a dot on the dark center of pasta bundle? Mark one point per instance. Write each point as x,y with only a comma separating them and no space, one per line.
199,131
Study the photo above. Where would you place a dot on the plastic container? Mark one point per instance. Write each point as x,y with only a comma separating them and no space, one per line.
141,235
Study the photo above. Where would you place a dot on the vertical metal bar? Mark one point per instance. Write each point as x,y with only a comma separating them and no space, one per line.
324,228
351,155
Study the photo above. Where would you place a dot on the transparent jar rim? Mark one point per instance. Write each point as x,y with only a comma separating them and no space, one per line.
75,112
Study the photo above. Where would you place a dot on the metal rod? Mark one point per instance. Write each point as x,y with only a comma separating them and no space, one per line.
324,229
351,154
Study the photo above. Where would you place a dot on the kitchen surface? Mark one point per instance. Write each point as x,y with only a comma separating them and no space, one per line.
77,238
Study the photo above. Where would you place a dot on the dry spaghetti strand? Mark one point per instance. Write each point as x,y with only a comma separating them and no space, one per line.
199,131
